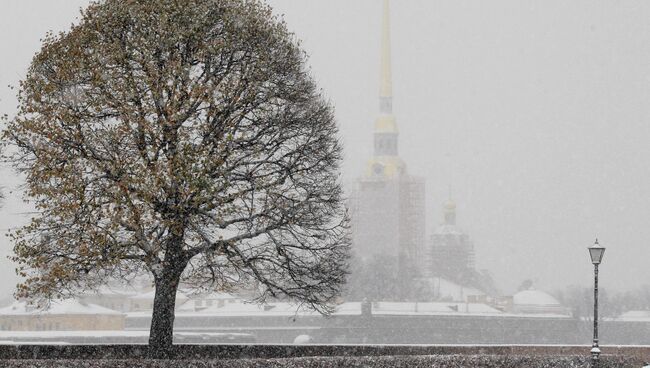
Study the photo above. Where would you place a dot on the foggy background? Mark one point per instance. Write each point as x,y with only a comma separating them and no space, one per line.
535,112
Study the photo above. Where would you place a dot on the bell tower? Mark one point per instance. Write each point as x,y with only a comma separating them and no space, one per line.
388,210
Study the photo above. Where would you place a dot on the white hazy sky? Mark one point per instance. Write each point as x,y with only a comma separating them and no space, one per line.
537,112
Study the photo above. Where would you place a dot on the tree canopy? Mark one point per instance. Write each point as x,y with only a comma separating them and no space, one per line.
185,139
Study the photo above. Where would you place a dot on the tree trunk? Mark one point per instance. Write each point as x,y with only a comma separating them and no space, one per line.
161,334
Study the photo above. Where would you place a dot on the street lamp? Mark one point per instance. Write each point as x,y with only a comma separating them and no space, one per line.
596,252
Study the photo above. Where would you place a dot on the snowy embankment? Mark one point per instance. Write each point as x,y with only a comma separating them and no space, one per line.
327,356
438,361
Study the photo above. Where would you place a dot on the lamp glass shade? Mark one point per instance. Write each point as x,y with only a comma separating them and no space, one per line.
596,252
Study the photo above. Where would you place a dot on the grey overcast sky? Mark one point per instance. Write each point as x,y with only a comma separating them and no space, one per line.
536,112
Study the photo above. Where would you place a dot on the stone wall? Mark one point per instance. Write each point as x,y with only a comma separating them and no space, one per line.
440,361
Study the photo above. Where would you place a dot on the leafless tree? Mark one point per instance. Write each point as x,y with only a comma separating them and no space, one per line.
185,139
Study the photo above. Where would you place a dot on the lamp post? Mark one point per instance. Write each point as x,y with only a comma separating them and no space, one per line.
596,252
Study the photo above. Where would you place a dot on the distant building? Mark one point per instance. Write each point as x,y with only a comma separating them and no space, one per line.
533,301
377,322
388,210
144,302
65,315
202,302
635,316
442,289
111,297
140,297
389,222
450,253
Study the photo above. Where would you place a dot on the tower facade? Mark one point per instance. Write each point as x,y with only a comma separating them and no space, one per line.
389,204
450,253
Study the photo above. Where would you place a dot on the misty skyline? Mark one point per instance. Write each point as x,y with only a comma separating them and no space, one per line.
535,113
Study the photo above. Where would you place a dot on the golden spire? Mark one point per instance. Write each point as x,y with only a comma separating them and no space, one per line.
386,89
386,162
386,121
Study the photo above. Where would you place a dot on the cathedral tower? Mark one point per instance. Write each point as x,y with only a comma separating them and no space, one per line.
388,209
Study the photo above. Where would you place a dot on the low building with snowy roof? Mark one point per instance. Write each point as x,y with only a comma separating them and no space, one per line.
635,316
443,289
61,315
533,301
372,323
144,301
199,302
115,298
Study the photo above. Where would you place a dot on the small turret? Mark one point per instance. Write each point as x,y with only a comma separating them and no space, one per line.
450,212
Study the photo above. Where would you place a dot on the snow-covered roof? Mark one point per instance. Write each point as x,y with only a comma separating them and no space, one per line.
57,307
635,316
243,308
151,294
534,297
349,308
114,291
433,308
213,296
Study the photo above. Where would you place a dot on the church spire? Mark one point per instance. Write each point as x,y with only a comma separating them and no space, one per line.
386,161
386,122
386,86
